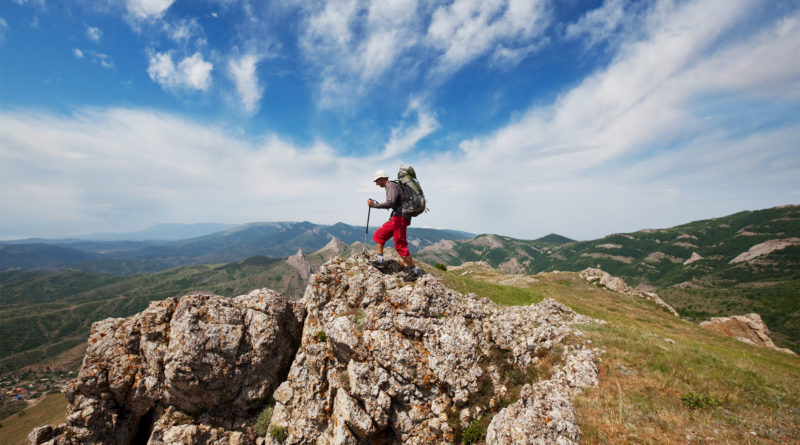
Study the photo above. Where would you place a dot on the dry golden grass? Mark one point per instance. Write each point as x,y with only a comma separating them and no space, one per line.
50,411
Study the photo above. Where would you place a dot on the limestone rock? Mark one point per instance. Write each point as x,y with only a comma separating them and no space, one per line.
220,357
543,415
383,361
748,328
603,278
370,359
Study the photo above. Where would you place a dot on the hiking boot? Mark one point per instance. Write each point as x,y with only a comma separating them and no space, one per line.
411,276
378,265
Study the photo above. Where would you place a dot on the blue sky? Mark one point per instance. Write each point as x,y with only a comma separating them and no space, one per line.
521,118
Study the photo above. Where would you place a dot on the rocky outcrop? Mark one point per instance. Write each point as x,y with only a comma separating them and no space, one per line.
362,358
183,370
333,248
748,328
383,361
695,257
764,249
602,278
300,263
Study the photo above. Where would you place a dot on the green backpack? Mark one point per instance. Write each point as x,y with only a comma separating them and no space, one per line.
413,198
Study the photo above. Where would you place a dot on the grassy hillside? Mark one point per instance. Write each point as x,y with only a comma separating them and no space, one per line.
663,380
43,314
50,411
692,266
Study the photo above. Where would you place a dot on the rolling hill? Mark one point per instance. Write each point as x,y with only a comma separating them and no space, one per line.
746,262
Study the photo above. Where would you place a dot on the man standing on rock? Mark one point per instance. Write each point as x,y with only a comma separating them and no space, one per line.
395,227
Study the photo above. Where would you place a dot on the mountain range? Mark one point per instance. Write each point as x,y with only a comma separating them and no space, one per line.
51,293
127,257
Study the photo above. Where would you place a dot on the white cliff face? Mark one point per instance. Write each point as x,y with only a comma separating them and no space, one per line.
379,361
383,361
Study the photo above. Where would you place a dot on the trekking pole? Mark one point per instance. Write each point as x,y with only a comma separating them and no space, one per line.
366,231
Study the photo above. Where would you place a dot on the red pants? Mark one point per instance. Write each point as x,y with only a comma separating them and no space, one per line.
395,227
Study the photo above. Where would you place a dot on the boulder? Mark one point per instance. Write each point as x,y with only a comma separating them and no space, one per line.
214,358
383,361
748,328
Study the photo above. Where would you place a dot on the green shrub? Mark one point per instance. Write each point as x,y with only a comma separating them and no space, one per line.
278,433
699,400
440,266
473,433
361,319
321,337
262,421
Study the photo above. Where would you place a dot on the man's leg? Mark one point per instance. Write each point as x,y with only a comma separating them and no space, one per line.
381,236
401,244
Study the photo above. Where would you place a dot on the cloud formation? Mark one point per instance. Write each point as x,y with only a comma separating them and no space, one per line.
93,33
192,73
148,9
243,73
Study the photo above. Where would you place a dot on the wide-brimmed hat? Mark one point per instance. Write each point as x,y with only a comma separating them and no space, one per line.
380,174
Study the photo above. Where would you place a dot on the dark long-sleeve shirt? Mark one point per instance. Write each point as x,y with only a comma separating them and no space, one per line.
394,200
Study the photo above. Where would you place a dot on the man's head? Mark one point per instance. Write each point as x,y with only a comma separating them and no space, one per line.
380,178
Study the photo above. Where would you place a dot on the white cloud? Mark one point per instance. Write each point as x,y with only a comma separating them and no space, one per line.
93,33
644,136
357,45
466,29
103,60
243,73
148,9
124,169
191,73
599,24
404,138
184,30
97,58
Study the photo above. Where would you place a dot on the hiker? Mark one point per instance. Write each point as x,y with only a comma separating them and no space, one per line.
395,227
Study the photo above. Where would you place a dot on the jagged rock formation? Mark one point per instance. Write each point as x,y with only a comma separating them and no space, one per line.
300,263
602,278
333,248
387,362
747,328
379,361
193,367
